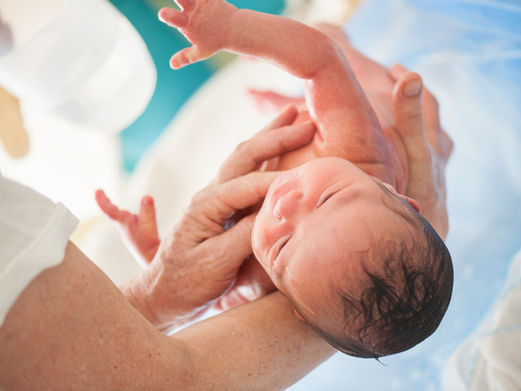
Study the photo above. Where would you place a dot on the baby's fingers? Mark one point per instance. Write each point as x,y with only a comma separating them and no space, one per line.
147,216
108,207
185,4
265,145
172,17
188,56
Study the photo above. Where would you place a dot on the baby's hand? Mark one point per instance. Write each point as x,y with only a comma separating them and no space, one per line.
139,231
204,23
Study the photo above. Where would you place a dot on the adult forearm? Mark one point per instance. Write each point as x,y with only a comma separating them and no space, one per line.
71,328
257,346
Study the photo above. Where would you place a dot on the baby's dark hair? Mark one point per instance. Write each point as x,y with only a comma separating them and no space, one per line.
404,302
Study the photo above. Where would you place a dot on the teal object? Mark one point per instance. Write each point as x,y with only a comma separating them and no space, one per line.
268,6
173,88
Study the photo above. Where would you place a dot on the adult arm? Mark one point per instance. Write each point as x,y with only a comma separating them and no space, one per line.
202,234
71,328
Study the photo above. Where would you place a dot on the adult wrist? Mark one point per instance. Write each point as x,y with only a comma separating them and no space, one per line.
137,293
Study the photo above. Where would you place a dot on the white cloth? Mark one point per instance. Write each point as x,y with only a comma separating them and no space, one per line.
490,360
33,234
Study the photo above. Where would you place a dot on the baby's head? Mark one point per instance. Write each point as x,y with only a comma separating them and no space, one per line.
356,259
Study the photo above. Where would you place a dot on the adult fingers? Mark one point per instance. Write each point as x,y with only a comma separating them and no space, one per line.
286,117
213,205
233,165
267,144
238,193
433,130
237,239
430,109
429,103
408,114
449,145
396,71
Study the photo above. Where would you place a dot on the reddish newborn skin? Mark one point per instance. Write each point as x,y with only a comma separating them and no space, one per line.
353,117
348,127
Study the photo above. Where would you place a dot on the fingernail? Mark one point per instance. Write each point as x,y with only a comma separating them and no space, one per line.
412,88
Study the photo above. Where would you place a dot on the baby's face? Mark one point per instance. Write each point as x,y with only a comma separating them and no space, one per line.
316,221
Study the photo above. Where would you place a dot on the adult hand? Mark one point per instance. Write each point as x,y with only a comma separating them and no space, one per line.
252,281
427,145
200,259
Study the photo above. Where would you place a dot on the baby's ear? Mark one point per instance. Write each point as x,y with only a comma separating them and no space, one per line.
410,200
414,204
297,314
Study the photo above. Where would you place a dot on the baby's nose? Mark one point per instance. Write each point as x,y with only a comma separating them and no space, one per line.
287,205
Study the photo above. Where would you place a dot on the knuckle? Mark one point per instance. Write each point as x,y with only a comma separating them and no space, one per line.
281,144
413,112
422,153
198,197
242,147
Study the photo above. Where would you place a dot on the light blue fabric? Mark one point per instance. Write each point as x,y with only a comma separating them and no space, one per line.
469,53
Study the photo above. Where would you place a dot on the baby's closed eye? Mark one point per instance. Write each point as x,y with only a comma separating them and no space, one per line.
326,196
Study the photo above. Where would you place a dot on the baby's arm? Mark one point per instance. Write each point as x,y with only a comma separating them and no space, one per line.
138,230
347,124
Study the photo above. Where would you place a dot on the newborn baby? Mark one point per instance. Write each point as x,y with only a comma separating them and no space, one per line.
354,256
